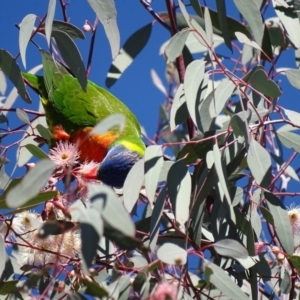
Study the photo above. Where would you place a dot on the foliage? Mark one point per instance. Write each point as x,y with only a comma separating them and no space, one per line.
210,191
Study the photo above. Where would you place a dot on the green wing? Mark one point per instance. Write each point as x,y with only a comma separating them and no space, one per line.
68,105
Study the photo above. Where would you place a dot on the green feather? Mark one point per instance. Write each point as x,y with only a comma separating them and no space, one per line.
66,104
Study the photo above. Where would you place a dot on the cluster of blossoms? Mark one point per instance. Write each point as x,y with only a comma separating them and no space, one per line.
24,229
294,215
164,291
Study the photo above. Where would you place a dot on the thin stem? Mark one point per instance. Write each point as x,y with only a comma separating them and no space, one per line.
179,59
155,15
88,67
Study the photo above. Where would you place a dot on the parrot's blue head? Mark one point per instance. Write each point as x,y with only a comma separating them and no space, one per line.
116,165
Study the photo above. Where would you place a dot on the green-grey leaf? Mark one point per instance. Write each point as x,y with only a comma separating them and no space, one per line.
222,17
172,254
179,187
289,140
132,47
267,215
26,28
192,87
133,184
71,56
111,208
176,44
222,93
107,14
293,115
108,123
89,240
236,194
49,20
22,115
155,218
36,151
282,224
259,163
217,276
68,28
12,71
290,21
220,171
153,165
295,259
44,132
178,100
293,76
285,283
253,16
32,182
242,38
33,202
260,82
231,248
3,255
208,26
239,126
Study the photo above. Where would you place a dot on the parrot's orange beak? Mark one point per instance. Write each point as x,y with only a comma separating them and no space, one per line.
60,134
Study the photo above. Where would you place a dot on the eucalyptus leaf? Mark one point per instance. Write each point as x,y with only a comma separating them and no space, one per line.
133,184
108,123
193,88
31,184
107,14
293,116
222,93
12,71
289,140
132,47
156,218
26,28
290,21
176,44
259,163
179,188
71,56
111,208
70,29
221,171
3,255
49,20
253,16
22,115
217,276
222,18
293,76
282,225
153,165
231,248
172,254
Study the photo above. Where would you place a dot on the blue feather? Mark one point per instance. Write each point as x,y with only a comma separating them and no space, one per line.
116,165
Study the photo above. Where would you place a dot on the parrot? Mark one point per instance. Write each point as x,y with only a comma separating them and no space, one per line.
71,113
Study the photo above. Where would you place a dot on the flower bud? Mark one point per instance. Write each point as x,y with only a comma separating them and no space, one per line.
87,27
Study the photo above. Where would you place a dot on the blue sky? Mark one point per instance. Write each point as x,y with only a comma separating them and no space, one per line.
135,88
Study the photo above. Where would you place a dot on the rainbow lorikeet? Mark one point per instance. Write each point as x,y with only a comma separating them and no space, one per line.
72,113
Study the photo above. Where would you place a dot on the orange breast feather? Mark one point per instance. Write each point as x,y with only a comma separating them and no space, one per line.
92,147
